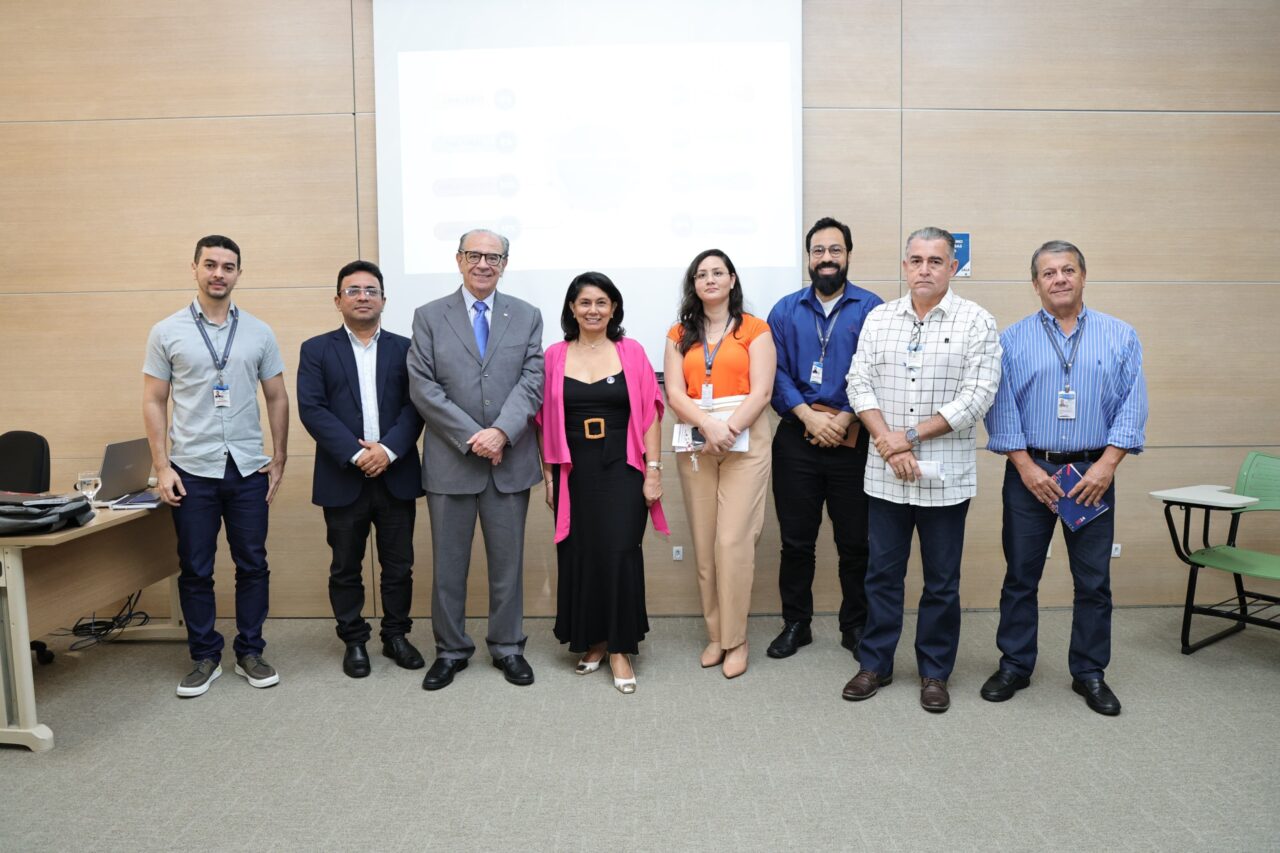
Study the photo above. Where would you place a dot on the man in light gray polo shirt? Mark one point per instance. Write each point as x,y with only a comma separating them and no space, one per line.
210,357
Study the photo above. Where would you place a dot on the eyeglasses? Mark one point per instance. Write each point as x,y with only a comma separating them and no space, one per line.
833,252
356,292
490,258
914,344
703,275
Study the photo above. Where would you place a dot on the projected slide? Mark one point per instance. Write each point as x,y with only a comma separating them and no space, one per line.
600,156
604,135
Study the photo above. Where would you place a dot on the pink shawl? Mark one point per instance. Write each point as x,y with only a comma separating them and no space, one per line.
646,406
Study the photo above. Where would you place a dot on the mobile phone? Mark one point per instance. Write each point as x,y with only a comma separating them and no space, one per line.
698,437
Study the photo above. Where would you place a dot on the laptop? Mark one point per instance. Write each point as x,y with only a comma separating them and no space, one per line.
126,467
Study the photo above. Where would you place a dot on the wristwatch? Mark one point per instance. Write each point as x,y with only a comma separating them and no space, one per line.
654,466
913,436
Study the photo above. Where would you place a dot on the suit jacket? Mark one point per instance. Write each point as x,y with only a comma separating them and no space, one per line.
330,409
458,393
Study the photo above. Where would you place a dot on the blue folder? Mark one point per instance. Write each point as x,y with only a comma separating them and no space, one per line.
1074,515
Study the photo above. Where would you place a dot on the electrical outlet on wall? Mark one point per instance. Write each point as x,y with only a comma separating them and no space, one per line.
677,552
1115,550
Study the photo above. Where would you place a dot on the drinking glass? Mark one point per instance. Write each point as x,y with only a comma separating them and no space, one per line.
88,483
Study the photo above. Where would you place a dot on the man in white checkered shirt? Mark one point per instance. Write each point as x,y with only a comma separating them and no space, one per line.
925,372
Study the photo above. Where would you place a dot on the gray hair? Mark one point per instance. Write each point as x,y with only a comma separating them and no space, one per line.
1054,247
932,233
506,244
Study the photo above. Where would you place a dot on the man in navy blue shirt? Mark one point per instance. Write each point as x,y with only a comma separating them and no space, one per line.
819,452
1072,392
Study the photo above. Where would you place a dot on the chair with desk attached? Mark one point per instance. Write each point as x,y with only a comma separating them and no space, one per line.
24,467
1257,489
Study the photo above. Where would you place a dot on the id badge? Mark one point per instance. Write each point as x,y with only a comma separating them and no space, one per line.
815,373
221,397
1066,405
915,360
708,395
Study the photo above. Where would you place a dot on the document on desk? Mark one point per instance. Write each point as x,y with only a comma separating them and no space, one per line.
1074,515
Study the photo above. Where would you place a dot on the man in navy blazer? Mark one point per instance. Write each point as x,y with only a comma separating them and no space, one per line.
353,397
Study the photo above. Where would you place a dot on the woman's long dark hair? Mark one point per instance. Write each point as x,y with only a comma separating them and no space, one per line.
601,281
692,314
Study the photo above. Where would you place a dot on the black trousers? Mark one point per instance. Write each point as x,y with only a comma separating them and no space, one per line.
348,531
804,478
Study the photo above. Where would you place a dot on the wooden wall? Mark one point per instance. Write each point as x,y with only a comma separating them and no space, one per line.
1143,132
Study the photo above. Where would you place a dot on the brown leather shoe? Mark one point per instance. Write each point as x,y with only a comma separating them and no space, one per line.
934,696
864,685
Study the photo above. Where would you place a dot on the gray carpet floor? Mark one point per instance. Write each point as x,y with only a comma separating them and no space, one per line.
774,760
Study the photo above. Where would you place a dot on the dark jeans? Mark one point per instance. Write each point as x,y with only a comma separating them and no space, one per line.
242,502
938,623
348,532
804,478
1028,529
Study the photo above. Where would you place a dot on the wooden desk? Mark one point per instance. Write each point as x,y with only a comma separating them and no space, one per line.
51,580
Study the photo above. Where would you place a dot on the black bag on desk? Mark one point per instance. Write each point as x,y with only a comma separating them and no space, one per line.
17,519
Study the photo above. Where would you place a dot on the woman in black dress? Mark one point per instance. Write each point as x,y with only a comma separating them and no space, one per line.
600,433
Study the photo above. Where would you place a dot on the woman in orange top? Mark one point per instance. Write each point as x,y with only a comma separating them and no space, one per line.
720,365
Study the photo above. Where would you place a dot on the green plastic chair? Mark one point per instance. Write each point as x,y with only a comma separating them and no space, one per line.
1259,478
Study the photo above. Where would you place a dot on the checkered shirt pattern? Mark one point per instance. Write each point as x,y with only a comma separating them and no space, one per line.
957,377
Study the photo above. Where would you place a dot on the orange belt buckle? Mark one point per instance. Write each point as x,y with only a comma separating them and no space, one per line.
590,425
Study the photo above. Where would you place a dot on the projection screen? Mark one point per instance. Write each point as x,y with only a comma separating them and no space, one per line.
613,136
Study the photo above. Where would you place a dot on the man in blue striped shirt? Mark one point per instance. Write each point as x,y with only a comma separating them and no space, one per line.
1072,392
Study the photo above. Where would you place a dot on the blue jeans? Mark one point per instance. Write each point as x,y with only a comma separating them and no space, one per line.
242,501
1028,529
938,624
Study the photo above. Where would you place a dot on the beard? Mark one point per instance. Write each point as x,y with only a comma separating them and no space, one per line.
828,277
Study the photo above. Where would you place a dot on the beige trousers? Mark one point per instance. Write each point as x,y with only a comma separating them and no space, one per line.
724,500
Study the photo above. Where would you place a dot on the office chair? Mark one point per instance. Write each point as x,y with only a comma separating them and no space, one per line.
24,467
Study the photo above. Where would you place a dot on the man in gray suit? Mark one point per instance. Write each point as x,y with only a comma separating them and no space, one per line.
475,375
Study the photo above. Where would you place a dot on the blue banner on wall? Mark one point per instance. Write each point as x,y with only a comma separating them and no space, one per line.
964,267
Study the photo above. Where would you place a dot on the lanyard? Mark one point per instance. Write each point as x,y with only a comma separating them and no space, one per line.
226,351
824,338
1067,361
709,357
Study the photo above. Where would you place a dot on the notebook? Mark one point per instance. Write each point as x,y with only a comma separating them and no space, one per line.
1074,515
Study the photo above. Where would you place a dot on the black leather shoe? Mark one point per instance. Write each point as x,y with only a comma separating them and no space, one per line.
1097,695
793,636
852,640
515,669
442,672
355,662
1003,685
402,652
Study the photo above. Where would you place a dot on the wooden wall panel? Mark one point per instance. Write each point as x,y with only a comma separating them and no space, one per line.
367,185
1154,197
103,59
1188,333
97,396
119,205
852,171
852,52
362,53
1091,55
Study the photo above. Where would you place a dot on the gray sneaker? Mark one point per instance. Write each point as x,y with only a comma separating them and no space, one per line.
198,680
259,672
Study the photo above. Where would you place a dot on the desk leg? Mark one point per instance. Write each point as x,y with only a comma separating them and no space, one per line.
17,684
173,628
